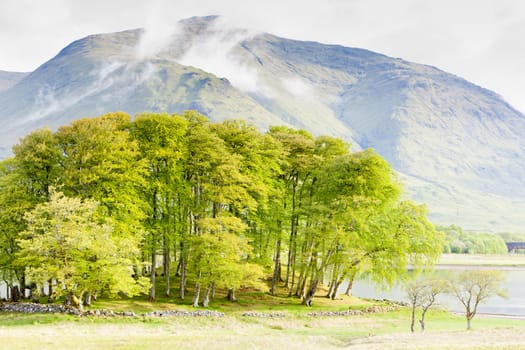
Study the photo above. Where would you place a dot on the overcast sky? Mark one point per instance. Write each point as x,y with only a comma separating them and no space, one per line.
480,40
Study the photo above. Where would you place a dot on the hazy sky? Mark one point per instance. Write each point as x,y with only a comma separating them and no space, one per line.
480,40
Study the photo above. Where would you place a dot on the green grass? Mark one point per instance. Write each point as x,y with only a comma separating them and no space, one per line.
297,330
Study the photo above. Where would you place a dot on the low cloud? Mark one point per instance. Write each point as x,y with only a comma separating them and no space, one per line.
214,52
298,88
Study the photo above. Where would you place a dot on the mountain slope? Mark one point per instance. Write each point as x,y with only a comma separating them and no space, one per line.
9,79
457,146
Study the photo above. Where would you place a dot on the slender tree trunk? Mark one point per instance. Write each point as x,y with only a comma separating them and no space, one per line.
177,270
50,297
277,263
293,277
350,283
87,299
300,282
15,293
153,274
197,291
167,269
206,300
231,295
23,286
182,276
213,290
310,293
293,232
335,289
413,317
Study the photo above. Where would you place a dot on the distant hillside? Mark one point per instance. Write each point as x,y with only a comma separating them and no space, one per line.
9,79
457,146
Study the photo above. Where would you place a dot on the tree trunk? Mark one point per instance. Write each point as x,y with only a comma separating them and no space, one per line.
15,293
231,295
335,289
177,271
310,293
50,296
23,286
350,283
213,290
277,267
167,269
413,317
182,276
87,299
72,300
468,323
422,320
153,275
197,294
206,300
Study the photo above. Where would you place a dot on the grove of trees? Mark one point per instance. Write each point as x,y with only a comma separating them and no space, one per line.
461,242
109,205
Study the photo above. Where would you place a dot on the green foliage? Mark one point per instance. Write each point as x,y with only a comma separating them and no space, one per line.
458,241
224,202
67,243
512,236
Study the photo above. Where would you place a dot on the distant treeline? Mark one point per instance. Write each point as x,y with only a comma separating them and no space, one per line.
104,205
459,242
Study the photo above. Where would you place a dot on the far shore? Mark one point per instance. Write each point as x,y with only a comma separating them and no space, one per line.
484,261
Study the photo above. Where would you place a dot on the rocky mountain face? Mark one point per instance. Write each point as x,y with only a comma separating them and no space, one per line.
456,146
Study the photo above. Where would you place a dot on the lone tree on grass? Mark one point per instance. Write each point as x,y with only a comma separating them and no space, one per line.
475,287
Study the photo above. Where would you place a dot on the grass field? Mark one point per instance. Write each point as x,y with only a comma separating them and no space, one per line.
295,330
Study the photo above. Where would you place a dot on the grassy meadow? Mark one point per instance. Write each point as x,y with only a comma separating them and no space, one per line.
294,329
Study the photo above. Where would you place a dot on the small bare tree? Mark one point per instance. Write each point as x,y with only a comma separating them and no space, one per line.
422,293
474,287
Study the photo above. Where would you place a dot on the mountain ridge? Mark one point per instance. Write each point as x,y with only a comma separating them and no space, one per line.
456,145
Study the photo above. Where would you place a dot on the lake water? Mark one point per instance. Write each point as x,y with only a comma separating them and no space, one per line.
514,284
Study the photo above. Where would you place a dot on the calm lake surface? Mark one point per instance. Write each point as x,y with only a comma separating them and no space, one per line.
514,305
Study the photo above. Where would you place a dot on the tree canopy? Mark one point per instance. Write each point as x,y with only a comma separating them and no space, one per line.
103,203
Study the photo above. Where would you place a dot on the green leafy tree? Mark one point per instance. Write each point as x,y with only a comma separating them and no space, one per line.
219,255
25,180
161,140
66,242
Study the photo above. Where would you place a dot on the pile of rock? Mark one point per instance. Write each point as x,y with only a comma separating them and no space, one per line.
335,313
108,313
32,308
263,314
367,310
181,313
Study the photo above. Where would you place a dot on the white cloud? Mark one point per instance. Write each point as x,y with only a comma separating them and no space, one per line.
213,53
298,88
457,36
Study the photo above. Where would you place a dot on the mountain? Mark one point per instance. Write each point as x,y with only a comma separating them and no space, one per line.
9,79
456,146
